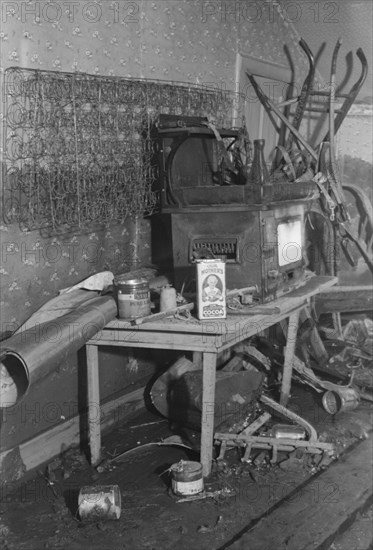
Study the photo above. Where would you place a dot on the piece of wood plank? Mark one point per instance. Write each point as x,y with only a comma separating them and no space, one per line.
317,510
159,340
345,299
258,423
234,365
46,446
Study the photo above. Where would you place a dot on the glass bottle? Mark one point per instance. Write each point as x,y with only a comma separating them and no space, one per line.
259,174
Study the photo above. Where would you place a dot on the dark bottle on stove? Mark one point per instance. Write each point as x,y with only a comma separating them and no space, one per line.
259,173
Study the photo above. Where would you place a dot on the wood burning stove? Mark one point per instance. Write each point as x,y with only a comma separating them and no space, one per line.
258,232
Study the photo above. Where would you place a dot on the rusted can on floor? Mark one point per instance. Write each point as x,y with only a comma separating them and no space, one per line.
187,478
133,297
99,502
340,400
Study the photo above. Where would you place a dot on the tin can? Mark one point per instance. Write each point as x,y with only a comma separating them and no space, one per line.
211,289
167,298
133,298
187,478
340,400
99,502
288,431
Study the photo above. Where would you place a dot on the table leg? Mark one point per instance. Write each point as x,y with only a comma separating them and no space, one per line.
198,359
208,408
291,340
93,397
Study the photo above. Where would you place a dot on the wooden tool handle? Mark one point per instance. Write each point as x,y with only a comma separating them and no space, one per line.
162,314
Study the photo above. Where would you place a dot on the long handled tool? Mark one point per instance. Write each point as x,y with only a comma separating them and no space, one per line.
334,180
329,166
271,108
332,171
304,94
351,96
342,111
332,101
335,185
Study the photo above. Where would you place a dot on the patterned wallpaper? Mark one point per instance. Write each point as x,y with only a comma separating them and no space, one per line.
34,268
184,40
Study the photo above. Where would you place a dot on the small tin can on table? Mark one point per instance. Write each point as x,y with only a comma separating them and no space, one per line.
133,298
211,289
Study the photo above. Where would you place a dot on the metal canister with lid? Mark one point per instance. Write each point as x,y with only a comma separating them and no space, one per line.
133,298
187,478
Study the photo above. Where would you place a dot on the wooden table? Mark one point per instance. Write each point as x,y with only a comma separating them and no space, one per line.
206,339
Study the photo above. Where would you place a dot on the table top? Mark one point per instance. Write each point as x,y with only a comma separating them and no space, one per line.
208,335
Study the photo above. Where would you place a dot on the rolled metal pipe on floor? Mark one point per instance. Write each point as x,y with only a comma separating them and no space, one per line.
32,354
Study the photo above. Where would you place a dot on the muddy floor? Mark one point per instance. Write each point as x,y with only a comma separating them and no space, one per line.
42,511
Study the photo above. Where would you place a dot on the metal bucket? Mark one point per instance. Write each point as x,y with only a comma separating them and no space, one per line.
133,298
99,502
343,399
187,478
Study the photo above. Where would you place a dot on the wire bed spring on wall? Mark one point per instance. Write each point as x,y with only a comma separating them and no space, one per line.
78,149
